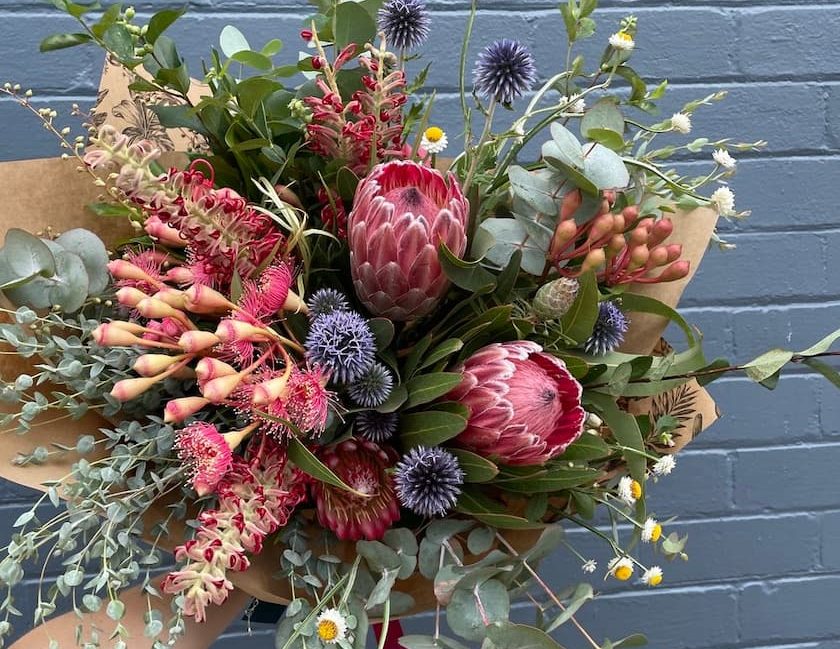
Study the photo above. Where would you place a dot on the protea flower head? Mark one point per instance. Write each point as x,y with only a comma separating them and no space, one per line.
524,404
363,466
402,212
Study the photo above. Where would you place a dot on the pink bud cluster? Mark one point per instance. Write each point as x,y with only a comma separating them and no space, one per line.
351,131
620,247
222,232
256,498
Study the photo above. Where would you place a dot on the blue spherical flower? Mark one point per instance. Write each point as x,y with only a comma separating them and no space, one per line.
504,71
373,387
404,22
376,426
428,481
326,300
609,330
342,343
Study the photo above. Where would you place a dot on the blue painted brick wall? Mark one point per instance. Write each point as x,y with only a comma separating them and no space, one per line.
758,493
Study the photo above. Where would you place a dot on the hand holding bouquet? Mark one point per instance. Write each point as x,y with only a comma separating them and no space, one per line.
325,364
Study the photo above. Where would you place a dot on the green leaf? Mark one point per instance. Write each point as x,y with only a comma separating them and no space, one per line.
161,21
428,387
62,41
766,365
825,369
118,40
625,428
548,480
252,59
507,635
90,249
481,539
563,148
633,303
503,237
587,447
583,593
604,115
429,428
473,503
306,461
475,467
397,397
551,538
468,275
353,25
272,48
26,256
581,317
469,610
822,346
442,351
383,332
231,41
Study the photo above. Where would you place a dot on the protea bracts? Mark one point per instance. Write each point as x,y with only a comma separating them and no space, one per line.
403,211
524,404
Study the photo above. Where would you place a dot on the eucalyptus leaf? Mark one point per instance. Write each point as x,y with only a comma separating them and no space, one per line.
465,617
231,41
27,256
507,635
509,235
90,249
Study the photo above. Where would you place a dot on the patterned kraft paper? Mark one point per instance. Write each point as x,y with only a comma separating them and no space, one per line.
33,204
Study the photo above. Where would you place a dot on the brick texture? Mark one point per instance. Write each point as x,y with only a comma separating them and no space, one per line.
757,494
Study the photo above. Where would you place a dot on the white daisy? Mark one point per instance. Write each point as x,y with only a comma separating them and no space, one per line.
434,140
723,199
590,566
622,41
681,123
627,490
664,465
652,576
722,157
621,568
576,103
651,531
331,626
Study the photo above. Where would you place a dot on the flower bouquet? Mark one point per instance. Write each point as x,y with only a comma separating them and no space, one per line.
267,326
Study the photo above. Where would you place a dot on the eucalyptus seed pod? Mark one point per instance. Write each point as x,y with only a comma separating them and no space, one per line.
554,299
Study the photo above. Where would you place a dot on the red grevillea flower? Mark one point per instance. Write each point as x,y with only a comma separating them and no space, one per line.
363,466
403,211
524,404
206,454
256,498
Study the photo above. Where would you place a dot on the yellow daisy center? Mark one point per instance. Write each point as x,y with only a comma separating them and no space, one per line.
434,134
656,534
636,489
654,580
624,36
327,630
623,573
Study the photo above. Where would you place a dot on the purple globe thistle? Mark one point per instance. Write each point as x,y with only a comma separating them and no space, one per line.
405,23
326,300
373,387
609,330
428,481
376,426
504,71
342,343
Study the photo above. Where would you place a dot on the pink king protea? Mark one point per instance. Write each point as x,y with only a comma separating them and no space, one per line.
402,212
524,404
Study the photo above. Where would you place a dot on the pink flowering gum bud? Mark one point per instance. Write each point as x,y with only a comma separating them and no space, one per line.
196,341
674,251
129,296
661,231
571,203
602,226
676,271
121,269
639,236
211,368
178,410
180,275
203,299
130,327
638,257
610,196
658,257
153,364
595,259
221,388
269,391
616,244
630,214
172,296
109,335
157,309
236,330
563,234
129,389
619,223
167,235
